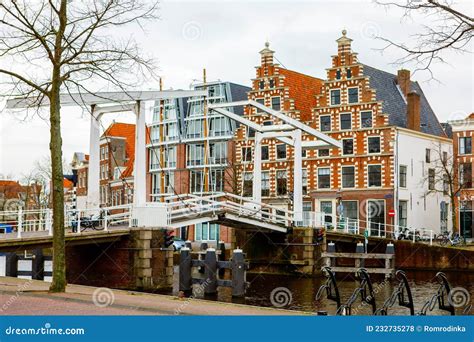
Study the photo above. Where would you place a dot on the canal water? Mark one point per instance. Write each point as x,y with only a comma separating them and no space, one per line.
299,292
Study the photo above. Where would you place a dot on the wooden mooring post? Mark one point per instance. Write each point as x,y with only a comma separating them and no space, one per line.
212,267
331,258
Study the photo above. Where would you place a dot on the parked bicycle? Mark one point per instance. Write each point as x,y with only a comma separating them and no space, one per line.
447,238
94,222
407,234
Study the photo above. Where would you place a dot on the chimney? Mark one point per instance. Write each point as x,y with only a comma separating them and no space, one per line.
403,80
413,111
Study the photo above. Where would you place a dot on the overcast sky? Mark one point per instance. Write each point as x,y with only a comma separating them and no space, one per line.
225,36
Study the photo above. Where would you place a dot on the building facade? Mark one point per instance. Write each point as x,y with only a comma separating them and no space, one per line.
377,116
463,135
117,148
190,150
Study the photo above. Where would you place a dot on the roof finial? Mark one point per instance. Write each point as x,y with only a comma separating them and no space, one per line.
344,32
267,44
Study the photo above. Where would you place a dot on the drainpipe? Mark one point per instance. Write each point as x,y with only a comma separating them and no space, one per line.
395,181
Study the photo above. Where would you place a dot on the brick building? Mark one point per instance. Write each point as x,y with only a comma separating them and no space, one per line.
191,151
117,148
463,135
387,129
14,195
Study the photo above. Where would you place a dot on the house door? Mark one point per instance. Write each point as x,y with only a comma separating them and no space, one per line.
466,219
328,207
376,217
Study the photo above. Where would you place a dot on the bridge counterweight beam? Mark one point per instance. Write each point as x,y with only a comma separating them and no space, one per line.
298,177
93,182
257,169
139,181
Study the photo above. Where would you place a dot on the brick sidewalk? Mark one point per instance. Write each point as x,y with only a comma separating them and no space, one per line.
30,297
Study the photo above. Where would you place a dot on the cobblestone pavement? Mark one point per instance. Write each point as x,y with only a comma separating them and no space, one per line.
31,297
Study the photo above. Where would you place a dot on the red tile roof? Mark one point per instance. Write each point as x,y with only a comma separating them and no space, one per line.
303,89
127,131
124,130
9,183
67,184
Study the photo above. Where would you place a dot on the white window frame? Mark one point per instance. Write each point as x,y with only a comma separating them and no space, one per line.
266,183
340,121
368,179
342,149
330,177
329,155
276,152
358,98
380,144
406,176
271,101
342,178
371,118
330,97
268,149
330,122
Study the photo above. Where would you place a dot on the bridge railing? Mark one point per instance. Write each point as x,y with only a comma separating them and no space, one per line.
190,206
103,217
21,221
377,229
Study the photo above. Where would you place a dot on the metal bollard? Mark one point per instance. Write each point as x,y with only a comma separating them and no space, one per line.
203,247
185,268
188,245
238,273
210,271
331,249
221,248
390,249
37,266
360,249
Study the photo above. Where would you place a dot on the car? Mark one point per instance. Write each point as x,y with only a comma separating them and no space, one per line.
178,244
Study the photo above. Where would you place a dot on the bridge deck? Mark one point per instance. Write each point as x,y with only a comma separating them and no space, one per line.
10,241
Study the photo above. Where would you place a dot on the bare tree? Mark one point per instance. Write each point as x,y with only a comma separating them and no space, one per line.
445,176
55,46
448,29
34,185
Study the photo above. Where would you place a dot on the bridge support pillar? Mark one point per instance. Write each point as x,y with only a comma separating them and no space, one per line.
308,251
152,265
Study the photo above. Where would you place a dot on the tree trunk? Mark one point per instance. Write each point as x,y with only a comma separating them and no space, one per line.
55,146
454,217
